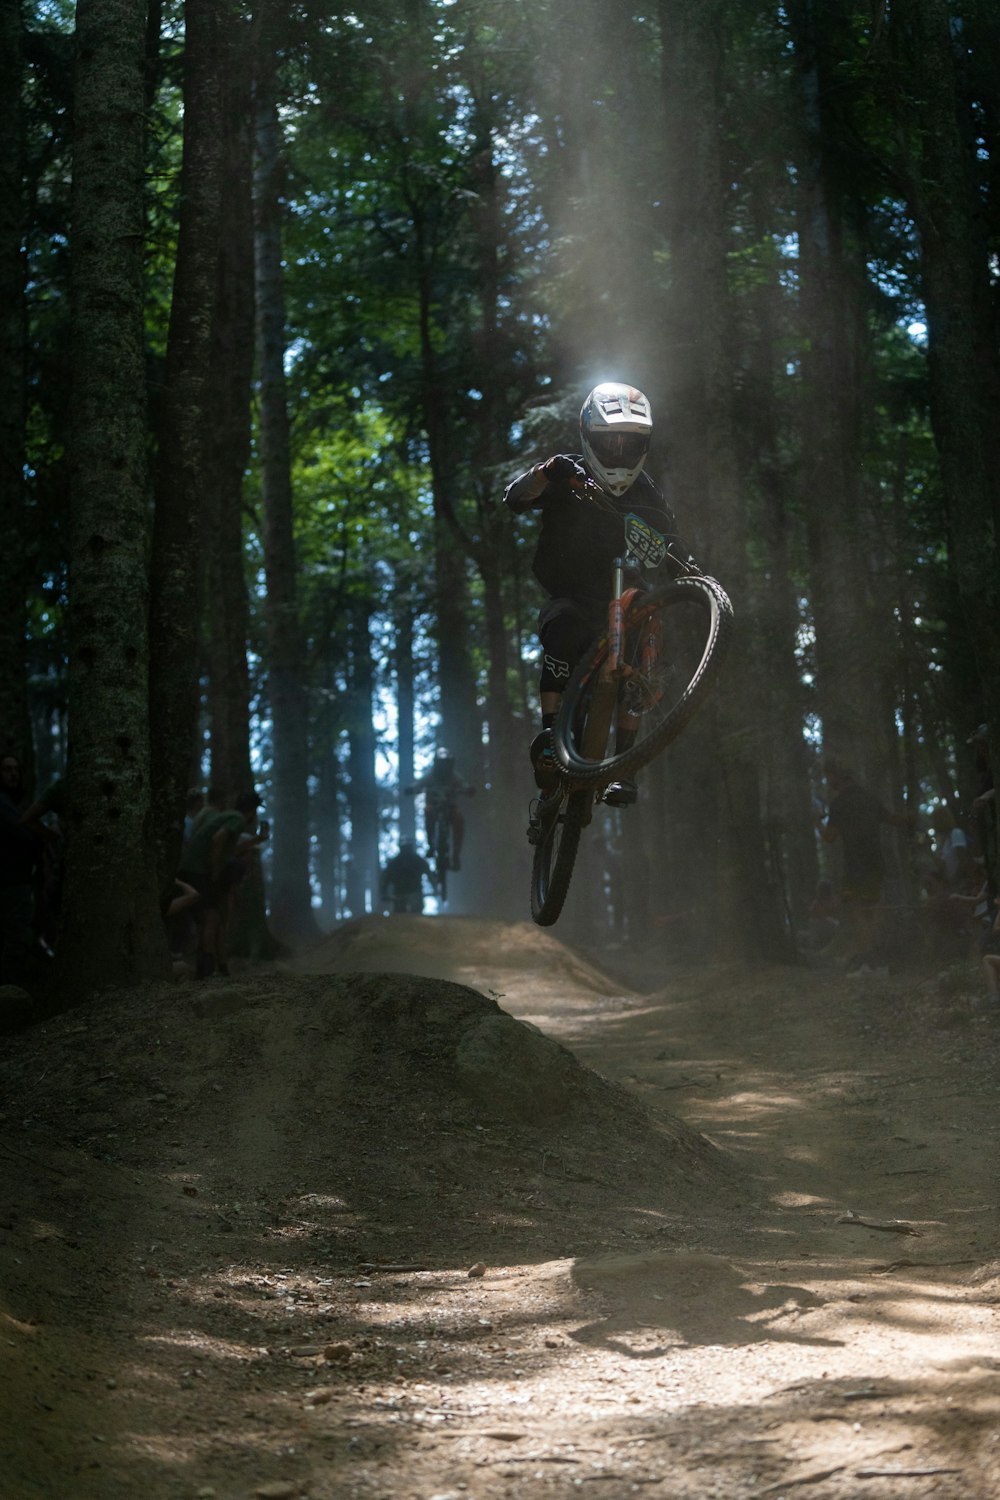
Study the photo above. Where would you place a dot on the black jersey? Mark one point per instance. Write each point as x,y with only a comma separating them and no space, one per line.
578,539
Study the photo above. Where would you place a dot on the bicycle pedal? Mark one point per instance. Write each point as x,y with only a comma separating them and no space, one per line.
621,793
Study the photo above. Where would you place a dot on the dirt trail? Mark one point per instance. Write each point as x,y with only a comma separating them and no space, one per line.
738,1240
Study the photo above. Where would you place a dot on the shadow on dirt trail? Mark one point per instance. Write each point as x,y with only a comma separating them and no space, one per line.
353,1230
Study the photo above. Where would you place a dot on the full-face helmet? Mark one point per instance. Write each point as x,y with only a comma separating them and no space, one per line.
444,764
615,428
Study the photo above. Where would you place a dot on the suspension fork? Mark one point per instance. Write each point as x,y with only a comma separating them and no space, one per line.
621,601
616,618
617,669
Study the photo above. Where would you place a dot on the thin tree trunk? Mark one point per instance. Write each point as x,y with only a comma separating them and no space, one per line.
747,916
363,869
112,932
829,276
228,614
405,708
787,799
177,566
291,909
15,727
961,325
229,446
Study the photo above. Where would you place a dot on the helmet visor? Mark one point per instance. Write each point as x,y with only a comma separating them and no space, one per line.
622,450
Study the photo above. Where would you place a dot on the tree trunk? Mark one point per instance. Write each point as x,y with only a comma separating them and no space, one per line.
229,442
787,792
830,274
961,324
15,728
112,932
363,865
746,907
405,708
291,908
177,565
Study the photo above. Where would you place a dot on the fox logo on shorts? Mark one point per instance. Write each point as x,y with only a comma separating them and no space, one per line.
556,668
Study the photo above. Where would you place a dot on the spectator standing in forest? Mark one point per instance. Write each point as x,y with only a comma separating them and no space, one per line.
403,878
856,818
214,862
214,801
18,855
578,540
984,808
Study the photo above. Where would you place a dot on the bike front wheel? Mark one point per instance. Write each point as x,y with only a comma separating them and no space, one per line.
675,641
555,855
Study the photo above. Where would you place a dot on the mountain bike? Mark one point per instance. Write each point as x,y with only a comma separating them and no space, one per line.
636,688
442,823
439,844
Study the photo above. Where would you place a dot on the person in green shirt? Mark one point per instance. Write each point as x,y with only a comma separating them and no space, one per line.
213,863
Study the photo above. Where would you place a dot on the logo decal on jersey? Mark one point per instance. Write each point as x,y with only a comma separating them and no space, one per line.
556,668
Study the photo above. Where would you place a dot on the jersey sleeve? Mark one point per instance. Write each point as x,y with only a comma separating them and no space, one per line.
526,490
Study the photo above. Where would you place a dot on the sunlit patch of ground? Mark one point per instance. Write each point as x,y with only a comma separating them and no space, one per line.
232,1262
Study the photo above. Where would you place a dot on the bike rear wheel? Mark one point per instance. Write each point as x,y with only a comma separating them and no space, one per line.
555,855
675,643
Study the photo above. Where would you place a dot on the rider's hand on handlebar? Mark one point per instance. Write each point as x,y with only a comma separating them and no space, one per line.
561,467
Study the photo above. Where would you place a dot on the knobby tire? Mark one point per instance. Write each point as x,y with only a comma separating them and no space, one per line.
555,856
581,747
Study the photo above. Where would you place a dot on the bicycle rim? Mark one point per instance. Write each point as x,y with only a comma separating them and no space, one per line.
555,856
675,644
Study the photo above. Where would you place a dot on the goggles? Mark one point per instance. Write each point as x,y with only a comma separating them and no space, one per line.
619,449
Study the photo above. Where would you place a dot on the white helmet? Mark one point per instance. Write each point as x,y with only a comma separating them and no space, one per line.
615,428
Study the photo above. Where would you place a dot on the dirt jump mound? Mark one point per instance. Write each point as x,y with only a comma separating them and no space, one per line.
411,1106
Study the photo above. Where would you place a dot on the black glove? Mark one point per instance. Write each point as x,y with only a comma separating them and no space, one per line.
562,468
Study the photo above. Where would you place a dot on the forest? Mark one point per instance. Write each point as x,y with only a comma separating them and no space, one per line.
291,291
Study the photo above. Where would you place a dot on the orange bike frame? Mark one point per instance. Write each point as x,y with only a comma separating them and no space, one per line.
614,666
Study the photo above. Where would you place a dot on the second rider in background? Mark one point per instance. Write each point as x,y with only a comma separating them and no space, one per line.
579,540
442,787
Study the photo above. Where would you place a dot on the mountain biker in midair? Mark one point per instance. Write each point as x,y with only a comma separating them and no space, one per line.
578,541
442,786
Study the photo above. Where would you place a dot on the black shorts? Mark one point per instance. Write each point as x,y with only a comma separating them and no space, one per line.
566,627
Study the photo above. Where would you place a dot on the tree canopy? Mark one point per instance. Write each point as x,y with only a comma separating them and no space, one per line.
380,255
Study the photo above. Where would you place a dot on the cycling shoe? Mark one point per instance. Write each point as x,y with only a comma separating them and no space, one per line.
543,761
621,793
